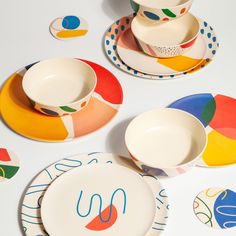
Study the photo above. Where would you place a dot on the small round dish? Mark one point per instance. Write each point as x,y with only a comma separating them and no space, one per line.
168,39
161,10
165,141
59,86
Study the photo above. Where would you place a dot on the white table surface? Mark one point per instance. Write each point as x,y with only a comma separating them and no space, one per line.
25,38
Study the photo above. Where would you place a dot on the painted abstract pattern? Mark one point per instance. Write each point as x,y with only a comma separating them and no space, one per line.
107,216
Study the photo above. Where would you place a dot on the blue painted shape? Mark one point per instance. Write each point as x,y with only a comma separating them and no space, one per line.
194,104
225,209
71,22
151,15
49,112
202,31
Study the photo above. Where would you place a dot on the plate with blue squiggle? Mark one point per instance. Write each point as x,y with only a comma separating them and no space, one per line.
101,199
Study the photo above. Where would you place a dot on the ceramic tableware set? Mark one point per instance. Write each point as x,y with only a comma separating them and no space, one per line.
162,40
61,99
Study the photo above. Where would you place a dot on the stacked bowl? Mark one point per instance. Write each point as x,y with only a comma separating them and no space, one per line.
164,28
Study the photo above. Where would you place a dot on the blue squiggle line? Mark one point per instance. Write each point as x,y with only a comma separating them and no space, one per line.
66,165
161,195
33,223
100,204
95,159
37,191
109,162
35,217
48,173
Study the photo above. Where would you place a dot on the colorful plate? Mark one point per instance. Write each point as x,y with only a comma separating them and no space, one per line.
31,206
98,198
218,115
19,115
9,164
135,62
68,27
215,207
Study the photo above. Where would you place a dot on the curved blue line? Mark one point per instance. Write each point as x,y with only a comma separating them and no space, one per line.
35,217
95,159
39,185
48,173
39,223
73,160
93,153
38,191
65,165
100,204
160,193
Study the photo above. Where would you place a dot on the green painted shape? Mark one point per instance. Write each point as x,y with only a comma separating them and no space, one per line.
67,109
134,6
8,171
209,111
169,13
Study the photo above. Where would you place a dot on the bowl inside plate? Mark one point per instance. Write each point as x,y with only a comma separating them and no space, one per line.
165,138
166,34
59,82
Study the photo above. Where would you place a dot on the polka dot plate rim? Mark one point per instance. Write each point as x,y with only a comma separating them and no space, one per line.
100,111
119,27
31,204
217,113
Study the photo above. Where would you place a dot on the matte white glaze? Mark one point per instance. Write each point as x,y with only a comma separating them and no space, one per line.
160,3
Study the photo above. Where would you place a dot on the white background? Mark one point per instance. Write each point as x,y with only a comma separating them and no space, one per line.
25,38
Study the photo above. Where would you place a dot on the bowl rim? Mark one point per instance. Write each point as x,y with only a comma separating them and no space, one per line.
194,160
160,8
66,104
170,46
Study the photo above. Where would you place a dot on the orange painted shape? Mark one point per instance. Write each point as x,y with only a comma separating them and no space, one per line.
224,120
83,104
94,116
182,10
97,225
71,33
180,63
18,113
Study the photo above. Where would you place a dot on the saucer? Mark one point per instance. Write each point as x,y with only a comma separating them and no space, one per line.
31,206
20,116
122,50
68,27
215,207
218,114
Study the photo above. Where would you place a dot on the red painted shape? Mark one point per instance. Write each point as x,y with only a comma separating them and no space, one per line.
111,92
189,44
97,225
166,19
83,104
224,120
4,156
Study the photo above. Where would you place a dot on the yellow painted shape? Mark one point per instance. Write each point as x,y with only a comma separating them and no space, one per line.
93,117
21,117
71,33
180,63
220,150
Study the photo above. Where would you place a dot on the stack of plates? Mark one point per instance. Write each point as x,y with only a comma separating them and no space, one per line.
94,194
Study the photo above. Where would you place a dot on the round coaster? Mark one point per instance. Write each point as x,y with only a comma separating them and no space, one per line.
109,204
167,68
21,117
31,206
9,164
68,27
218,114
215,207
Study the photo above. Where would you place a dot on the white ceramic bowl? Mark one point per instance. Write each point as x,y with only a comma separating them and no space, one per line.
165,141
161,10
59,86
166,39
